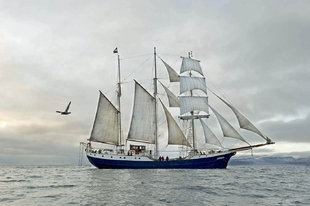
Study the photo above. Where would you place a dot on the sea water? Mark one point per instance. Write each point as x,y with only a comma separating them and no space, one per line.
236,185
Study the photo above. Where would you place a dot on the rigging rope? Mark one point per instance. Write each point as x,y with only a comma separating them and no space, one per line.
138,69
136,56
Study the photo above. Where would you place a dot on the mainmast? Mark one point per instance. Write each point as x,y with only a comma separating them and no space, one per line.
119,93
155,96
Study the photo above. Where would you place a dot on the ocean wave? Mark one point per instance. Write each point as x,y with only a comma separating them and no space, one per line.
90,186
49,186
14,181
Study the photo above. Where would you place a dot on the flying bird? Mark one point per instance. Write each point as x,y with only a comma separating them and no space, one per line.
66,112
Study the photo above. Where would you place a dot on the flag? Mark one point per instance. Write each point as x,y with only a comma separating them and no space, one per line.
115,51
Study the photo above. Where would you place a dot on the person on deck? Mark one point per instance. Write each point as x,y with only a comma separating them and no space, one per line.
167,158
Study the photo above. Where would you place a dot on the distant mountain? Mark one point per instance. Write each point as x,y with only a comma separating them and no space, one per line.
269,160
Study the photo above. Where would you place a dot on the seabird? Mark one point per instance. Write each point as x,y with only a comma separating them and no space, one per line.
66,112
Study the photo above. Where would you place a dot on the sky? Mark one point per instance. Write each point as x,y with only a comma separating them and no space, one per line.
255,54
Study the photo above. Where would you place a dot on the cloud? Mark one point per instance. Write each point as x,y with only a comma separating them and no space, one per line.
27,151
255,54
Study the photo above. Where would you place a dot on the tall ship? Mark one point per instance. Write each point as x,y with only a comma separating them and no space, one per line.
150,145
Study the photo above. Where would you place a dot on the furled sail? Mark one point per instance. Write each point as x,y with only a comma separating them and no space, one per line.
244,123
209,135
105,128
191,103
173,100
227,129
190,83
173,75
189,64
142,127
175,134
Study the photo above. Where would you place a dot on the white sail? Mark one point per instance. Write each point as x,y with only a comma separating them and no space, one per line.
189,64
227,129
105,128
190,83
173,75
209,135
244,123
175,134
173,100
142,127
191,103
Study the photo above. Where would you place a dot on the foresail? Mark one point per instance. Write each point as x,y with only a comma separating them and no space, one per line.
189,64
227,129
244,123
105,128
190,83
173,100
175,134
210,137
142,127
173,75
193,103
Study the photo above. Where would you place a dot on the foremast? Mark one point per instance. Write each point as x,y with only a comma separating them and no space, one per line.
192,103
192,112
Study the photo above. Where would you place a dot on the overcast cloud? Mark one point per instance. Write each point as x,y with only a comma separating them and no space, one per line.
254,53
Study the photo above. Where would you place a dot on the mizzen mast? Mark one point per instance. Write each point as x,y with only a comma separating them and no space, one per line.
119,94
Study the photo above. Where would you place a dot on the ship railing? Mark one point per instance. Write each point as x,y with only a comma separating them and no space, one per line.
147,153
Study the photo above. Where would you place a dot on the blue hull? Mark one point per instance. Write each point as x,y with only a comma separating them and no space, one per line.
214,162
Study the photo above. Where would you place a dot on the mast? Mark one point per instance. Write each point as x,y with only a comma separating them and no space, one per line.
192,113
119,101
155,96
